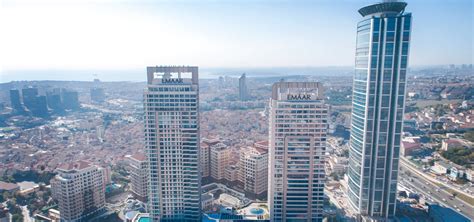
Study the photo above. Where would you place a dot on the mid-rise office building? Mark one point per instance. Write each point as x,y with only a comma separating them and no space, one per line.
383,38
70,99
297,140
97,95
243,91
220,156
172,143
253,164
79,190
138,169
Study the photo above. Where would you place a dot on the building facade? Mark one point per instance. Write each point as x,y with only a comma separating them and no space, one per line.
205,155
79,189
383,38
220,155
171,104
138,169
297,141
253,164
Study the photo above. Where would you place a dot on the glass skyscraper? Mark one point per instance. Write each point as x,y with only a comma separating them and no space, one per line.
383,38
297,143
172,143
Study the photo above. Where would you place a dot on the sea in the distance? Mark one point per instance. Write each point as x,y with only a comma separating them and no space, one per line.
139,75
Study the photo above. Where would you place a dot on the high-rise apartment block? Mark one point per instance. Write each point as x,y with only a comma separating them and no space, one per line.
383,38
253,166
79,190
220,156
138,168
297,141
171,105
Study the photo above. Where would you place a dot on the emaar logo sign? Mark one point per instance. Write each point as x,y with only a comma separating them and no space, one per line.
172,80
298,97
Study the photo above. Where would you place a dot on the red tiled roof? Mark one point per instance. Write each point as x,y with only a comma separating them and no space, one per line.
8,186
78,165
139,156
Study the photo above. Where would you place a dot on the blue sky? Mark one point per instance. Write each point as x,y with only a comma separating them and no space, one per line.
107,34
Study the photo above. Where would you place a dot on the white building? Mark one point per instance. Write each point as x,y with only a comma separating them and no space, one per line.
220,156
79,189
297,135
253,163
138,169
172,143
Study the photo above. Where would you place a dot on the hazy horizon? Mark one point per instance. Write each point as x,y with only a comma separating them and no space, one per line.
123,34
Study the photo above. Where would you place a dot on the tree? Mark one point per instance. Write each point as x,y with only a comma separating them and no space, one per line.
469,136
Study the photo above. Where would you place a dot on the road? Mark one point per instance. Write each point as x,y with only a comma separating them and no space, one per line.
432,193
26,214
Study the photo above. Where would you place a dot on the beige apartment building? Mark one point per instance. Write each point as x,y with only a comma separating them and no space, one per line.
79,189
253,173
220,156
205,158
138,169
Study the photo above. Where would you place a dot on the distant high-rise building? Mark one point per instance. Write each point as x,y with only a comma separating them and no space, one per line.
79,190
220,156
221,82
15,101
243,91
54,100
172,143
297,141
29,96
97,95
35,103
138,168
383,38
253,166
70,99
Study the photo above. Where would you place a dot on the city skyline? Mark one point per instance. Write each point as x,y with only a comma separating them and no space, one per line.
119,34
289,136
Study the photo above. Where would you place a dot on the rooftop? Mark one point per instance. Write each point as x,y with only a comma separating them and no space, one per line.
8,186
78,165
384,7
139,157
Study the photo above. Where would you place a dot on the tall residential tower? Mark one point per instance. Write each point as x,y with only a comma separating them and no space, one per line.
172,143
297,141
383,38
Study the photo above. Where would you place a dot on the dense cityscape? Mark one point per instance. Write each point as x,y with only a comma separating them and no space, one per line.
381,142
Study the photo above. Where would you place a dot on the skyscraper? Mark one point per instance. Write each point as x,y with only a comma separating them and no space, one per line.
171,103
383,38
243,91
297,141
79,189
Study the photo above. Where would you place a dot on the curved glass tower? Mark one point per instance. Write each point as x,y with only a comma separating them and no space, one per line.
383,38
